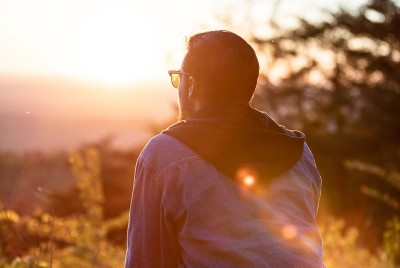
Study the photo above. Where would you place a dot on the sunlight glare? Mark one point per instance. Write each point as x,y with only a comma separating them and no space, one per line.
289,231
116,47
247,176
249,180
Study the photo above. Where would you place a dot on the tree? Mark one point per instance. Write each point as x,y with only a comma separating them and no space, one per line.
339,82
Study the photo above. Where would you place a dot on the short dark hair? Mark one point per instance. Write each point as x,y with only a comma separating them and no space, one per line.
224,63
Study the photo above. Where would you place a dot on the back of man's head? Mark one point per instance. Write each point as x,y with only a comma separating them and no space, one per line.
224,64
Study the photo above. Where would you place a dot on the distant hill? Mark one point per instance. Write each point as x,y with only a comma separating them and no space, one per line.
39,113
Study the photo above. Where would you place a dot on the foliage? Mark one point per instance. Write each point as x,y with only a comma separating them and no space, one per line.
341,75
22,174
73,241
44,179
391,178
391,235
341,248
82,240
338,81
391,242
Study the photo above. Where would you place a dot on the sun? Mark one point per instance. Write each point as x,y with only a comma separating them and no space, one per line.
116,47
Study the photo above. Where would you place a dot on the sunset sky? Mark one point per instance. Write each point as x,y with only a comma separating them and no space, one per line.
120,41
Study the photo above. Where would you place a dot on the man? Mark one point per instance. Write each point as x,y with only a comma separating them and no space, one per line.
226,186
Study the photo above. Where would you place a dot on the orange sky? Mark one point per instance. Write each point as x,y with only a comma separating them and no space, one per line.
118,41
125,46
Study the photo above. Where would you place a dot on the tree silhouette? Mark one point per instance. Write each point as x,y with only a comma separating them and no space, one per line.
339,82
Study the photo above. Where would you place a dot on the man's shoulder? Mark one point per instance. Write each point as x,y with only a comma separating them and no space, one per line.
164,150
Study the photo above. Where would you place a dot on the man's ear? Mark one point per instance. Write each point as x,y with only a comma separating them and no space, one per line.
192,88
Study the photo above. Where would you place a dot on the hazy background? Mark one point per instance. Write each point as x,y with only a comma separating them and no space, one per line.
38,113
84,85
75,71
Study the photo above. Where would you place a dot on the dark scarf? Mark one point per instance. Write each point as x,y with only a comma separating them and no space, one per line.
235,137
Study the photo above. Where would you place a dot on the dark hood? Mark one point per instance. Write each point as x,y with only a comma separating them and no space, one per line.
233,138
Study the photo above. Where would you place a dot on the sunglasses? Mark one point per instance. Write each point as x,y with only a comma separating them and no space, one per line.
176,77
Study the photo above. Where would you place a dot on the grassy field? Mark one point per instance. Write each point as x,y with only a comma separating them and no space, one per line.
93,237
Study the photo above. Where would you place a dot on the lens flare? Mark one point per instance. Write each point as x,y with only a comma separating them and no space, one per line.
289,231
247,177
249,180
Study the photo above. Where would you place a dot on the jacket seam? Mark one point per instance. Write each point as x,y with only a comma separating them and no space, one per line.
175,164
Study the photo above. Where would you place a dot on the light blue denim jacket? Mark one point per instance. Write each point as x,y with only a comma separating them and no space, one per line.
185,213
